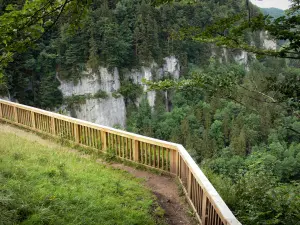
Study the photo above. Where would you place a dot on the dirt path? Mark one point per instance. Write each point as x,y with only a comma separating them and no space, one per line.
165,188
167,193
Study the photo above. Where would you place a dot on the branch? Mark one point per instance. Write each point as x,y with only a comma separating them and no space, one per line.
292,129
258,92
239,102
35,13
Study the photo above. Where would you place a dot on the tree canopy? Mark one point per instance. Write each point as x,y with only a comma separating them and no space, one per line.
230,31
23,23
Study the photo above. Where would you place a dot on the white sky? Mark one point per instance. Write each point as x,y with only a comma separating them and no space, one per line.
281,4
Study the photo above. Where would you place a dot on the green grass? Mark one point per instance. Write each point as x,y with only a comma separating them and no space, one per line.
41,185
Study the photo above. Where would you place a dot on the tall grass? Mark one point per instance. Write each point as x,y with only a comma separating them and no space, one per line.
41,185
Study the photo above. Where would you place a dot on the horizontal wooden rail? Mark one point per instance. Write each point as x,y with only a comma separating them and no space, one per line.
169,157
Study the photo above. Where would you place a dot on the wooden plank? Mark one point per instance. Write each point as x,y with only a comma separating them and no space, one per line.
41,122
198,197
111,138
148,152
15,114
22,116
163,158
88,136
6,112
52,126
68,130
76,133
136,150
203,213
27,118
144,154
114,143
168,160
119,146
154,155
103,140
158,159
92,137
19,116
1,111
130,149
126,151
97,137
173,161
123,147
189,184
32,120
86,141
48,124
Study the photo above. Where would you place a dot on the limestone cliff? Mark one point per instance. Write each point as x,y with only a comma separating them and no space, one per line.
111,110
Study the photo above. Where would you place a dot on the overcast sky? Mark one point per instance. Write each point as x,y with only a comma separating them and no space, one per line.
281,4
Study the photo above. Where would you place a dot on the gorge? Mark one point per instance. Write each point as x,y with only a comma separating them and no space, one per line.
236,113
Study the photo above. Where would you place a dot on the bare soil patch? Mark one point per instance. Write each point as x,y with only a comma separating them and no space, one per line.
177,211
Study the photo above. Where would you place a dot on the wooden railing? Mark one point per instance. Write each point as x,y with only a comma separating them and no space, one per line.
172,158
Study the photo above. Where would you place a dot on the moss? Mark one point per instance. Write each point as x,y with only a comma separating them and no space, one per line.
101,94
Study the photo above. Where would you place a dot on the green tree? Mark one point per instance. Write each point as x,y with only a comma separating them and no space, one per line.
24,23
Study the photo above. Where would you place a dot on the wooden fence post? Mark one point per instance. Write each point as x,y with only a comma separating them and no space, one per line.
174,162
103,140
136,150
52,130
203,213
0,110
76,133
15,114
32,119
190,184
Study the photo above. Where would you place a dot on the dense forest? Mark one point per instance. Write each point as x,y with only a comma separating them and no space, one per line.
242,126
123,34
247,146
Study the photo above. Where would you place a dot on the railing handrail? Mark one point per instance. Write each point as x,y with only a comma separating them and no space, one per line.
94,125
212,193
209,191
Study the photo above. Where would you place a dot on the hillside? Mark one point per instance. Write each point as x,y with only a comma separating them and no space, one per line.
274,12
49,185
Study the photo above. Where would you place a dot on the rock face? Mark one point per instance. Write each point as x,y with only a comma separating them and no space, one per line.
241,58
172,67
144,73
268,43
111,111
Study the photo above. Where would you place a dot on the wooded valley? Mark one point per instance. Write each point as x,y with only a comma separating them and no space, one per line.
240,121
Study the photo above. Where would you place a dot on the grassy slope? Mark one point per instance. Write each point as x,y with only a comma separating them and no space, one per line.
40,185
